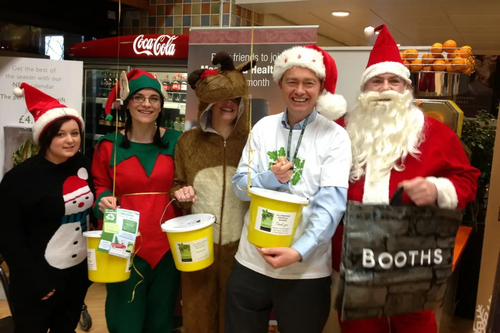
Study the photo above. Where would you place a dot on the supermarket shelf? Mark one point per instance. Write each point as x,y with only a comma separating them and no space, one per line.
169,105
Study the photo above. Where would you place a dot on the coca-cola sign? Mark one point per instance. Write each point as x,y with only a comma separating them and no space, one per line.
161,46
135,46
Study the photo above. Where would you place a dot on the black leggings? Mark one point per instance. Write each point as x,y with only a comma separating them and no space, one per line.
299,305
60,313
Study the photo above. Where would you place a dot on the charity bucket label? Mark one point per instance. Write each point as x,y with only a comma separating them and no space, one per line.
187,224
274,222
128,267
91,260
190,252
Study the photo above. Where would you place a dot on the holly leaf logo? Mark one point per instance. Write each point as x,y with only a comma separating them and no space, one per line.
273,155
298,168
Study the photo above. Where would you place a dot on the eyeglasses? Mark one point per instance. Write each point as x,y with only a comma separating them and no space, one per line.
141,99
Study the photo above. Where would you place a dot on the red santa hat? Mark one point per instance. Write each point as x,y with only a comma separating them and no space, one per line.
130,83
76,186
45,109
329,104
384,57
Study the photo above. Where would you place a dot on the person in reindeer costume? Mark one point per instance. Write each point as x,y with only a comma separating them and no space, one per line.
205,161
143,172
394,145
46,204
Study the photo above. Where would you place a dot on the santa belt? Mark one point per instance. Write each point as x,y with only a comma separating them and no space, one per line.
141,193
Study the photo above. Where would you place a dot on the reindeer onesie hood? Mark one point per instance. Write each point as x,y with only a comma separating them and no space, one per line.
207,162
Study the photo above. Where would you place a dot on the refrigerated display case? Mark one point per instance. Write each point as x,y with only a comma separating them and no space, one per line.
104,60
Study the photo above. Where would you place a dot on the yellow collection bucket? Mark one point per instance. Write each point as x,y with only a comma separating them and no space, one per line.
273,217
102,267
191,241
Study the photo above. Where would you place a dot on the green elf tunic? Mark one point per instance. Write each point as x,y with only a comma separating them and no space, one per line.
144,176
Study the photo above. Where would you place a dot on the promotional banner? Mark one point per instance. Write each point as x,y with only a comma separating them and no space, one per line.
491,249
494,315
268,43
59,79
396,259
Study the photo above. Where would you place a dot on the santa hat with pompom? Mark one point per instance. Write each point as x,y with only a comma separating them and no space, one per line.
129,84
45,109
329,104
384,57
76,186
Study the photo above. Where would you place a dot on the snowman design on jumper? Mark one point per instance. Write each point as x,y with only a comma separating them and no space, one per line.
68,248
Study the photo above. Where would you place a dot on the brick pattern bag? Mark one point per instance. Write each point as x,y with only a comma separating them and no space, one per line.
396,258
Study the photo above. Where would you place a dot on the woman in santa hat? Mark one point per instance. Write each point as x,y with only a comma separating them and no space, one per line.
138,164
46,201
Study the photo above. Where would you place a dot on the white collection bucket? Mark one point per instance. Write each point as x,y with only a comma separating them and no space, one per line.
191,241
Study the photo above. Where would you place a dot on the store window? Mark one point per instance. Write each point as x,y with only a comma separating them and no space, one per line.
54,47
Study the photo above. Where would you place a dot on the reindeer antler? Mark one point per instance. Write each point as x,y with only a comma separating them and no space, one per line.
225,61
194,77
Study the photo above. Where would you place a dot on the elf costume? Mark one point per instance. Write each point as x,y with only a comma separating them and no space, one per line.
144,175
206,161
45,209
442,161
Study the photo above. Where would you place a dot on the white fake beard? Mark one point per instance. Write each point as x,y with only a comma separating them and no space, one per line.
383,133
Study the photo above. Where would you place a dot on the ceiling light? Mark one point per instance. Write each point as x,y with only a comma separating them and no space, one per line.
340,14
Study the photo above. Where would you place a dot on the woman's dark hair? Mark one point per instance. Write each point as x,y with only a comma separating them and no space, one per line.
128,126
50,132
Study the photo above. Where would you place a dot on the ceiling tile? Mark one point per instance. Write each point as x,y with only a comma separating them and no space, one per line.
411,23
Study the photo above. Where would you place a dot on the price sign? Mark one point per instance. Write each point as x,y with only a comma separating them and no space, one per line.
26,118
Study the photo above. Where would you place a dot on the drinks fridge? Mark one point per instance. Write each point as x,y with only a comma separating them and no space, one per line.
165,55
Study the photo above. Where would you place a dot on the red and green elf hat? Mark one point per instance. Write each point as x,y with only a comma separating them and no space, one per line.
130,83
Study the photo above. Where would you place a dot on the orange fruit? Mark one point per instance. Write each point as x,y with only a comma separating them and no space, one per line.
459,64
438,56
427,59
470,61
416,65
453,55
406,63
439,65
437,48
427,68
467,70
411,54
450,67
449,46
465,51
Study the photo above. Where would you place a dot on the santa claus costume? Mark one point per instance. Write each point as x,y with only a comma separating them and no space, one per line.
392,142
143,174
45,207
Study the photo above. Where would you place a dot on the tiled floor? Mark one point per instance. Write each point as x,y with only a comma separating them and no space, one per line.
460,325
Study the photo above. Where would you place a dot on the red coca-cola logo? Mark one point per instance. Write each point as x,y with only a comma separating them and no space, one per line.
161,46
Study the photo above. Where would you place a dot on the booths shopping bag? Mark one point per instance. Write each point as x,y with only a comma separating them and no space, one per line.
395,259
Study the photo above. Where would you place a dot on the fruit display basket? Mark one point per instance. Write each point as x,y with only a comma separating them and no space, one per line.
446,57
431,84
441,71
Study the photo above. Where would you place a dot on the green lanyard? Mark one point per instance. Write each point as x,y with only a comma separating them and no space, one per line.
298,142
